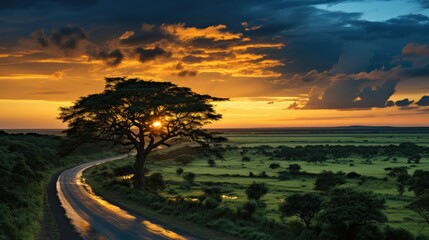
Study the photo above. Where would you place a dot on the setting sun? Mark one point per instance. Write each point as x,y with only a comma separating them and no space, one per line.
156,124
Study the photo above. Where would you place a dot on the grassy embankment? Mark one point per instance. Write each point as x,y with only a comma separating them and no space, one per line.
27,161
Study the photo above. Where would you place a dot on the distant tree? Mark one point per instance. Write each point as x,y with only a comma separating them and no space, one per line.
327,180
189,177
294,168
245,159
274,165
414,158
142,115
317,158
304,206
421,206
419,182
211,162
214,192
179,171
256,190
348,211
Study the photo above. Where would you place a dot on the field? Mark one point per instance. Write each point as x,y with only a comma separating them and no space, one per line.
233,175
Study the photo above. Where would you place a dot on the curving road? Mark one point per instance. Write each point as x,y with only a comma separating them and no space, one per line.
95,218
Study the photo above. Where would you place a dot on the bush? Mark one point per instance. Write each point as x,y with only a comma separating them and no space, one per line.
123,171
245,159
274,165
211,162
397,233
353,175
155,181
179,171
189,177
256,190
249,208
211,203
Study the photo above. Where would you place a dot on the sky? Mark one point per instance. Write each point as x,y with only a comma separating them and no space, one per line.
282,63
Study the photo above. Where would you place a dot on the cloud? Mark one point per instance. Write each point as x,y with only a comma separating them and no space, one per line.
113,58
147,54
41,38
424,101
67,37
416,49
350,94
185,73
217,32
404,102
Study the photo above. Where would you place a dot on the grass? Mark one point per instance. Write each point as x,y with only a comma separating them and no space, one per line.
232,175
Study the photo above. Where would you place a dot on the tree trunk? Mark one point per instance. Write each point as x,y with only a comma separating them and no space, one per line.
139,181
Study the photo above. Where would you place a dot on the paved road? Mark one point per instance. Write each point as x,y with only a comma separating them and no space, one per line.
95,218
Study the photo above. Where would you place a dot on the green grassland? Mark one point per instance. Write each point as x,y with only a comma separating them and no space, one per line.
232,174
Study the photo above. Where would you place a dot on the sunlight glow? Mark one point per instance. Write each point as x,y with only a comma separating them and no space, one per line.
156,124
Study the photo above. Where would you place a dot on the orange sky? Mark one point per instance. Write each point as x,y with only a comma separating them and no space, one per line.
35,81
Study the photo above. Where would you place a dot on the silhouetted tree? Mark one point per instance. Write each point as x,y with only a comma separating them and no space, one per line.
328,180
143,115
421,207
256,190
348,211
304,206
419,182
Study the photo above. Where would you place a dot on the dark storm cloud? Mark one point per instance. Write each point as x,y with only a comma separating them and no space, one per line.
66,37
113,58
404,102
147,54
424,101
353,94
18,4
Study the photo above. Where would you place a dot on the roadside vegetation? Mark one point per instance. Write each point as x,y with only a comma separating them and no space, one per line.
26,163
283,191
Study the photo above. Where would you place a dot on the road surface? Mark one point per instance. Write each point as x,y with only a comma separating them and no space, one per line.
95,218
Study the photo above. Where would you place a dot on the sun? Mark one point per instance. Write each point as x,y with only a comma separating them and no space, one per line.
156,124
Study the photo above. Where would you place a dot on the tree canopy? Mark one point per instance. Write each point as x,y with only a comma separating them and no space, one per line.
142,115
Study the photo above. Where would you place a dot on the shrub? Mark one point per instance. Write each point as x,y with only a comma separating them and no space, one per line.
155,181
245,159
353,175
249,207
211,203
256,190
397,233
211,162
294,168
179,171
189,177
274,165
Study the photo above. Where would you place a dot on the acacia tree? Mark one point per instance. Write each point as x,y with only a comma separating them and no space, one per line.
142,115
